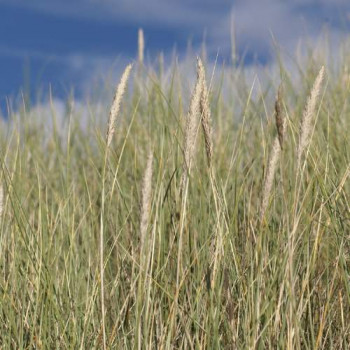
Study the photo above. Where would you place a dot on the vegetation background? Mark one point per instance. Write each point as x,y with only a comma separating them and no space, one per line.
204,213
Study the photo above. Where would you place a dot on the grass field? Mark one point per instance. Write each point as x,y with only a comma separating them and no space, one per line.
163,236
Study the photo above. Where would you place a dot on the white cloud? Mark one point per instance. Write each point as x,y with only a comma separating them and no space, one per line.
259,22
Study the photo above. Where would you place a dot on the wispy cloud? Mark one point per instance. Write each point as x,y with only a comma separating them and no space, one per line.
259,23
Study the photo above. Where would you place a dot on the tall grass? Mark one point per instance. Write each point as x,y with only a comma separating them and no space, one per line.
209,241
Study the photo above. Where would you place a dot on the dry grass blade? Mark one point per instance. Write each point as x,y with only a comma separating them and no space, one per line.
116,104
305,125
1,200
205,116
146,198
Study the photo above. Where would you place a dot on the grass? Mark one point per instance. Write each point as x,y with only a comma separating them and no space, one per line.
182,267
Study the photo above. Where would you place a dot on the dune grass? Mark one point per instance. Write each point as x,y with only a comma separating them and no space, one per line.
188,259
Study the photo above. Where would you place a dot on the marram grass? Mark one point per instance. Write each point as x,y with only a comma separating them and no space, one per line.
102,244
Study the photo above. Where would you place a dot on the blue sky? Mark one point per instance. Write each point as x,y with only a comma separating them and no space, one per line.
66,43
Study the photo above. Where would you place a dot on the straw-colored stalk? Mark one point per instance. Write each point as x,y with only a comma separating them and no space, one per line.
141,45
146,199
205,116
116,104
309,111
189,147
1,200
281,125
110,132
191,125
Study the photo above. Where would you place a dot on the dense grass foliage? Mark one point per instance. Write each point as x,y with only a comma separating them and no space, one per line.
207,271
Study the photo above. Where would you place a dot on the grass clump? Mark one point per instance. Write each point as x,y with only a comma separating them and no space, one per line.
105,243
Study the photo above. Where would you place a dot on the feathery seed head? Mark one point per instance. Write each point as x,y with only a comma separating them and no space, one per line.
305,125
205,115
116,104
146,197
270,174
141,45
192,118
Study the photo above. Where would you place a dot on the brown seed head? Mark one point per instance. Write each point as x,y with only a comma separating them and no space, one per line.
280,118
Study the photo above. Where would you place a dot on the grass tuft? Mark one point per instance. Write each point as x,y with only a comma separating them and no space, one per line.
103,246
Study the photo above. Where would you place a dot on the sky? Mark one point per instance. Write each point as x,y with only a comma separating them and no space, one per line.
63,45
